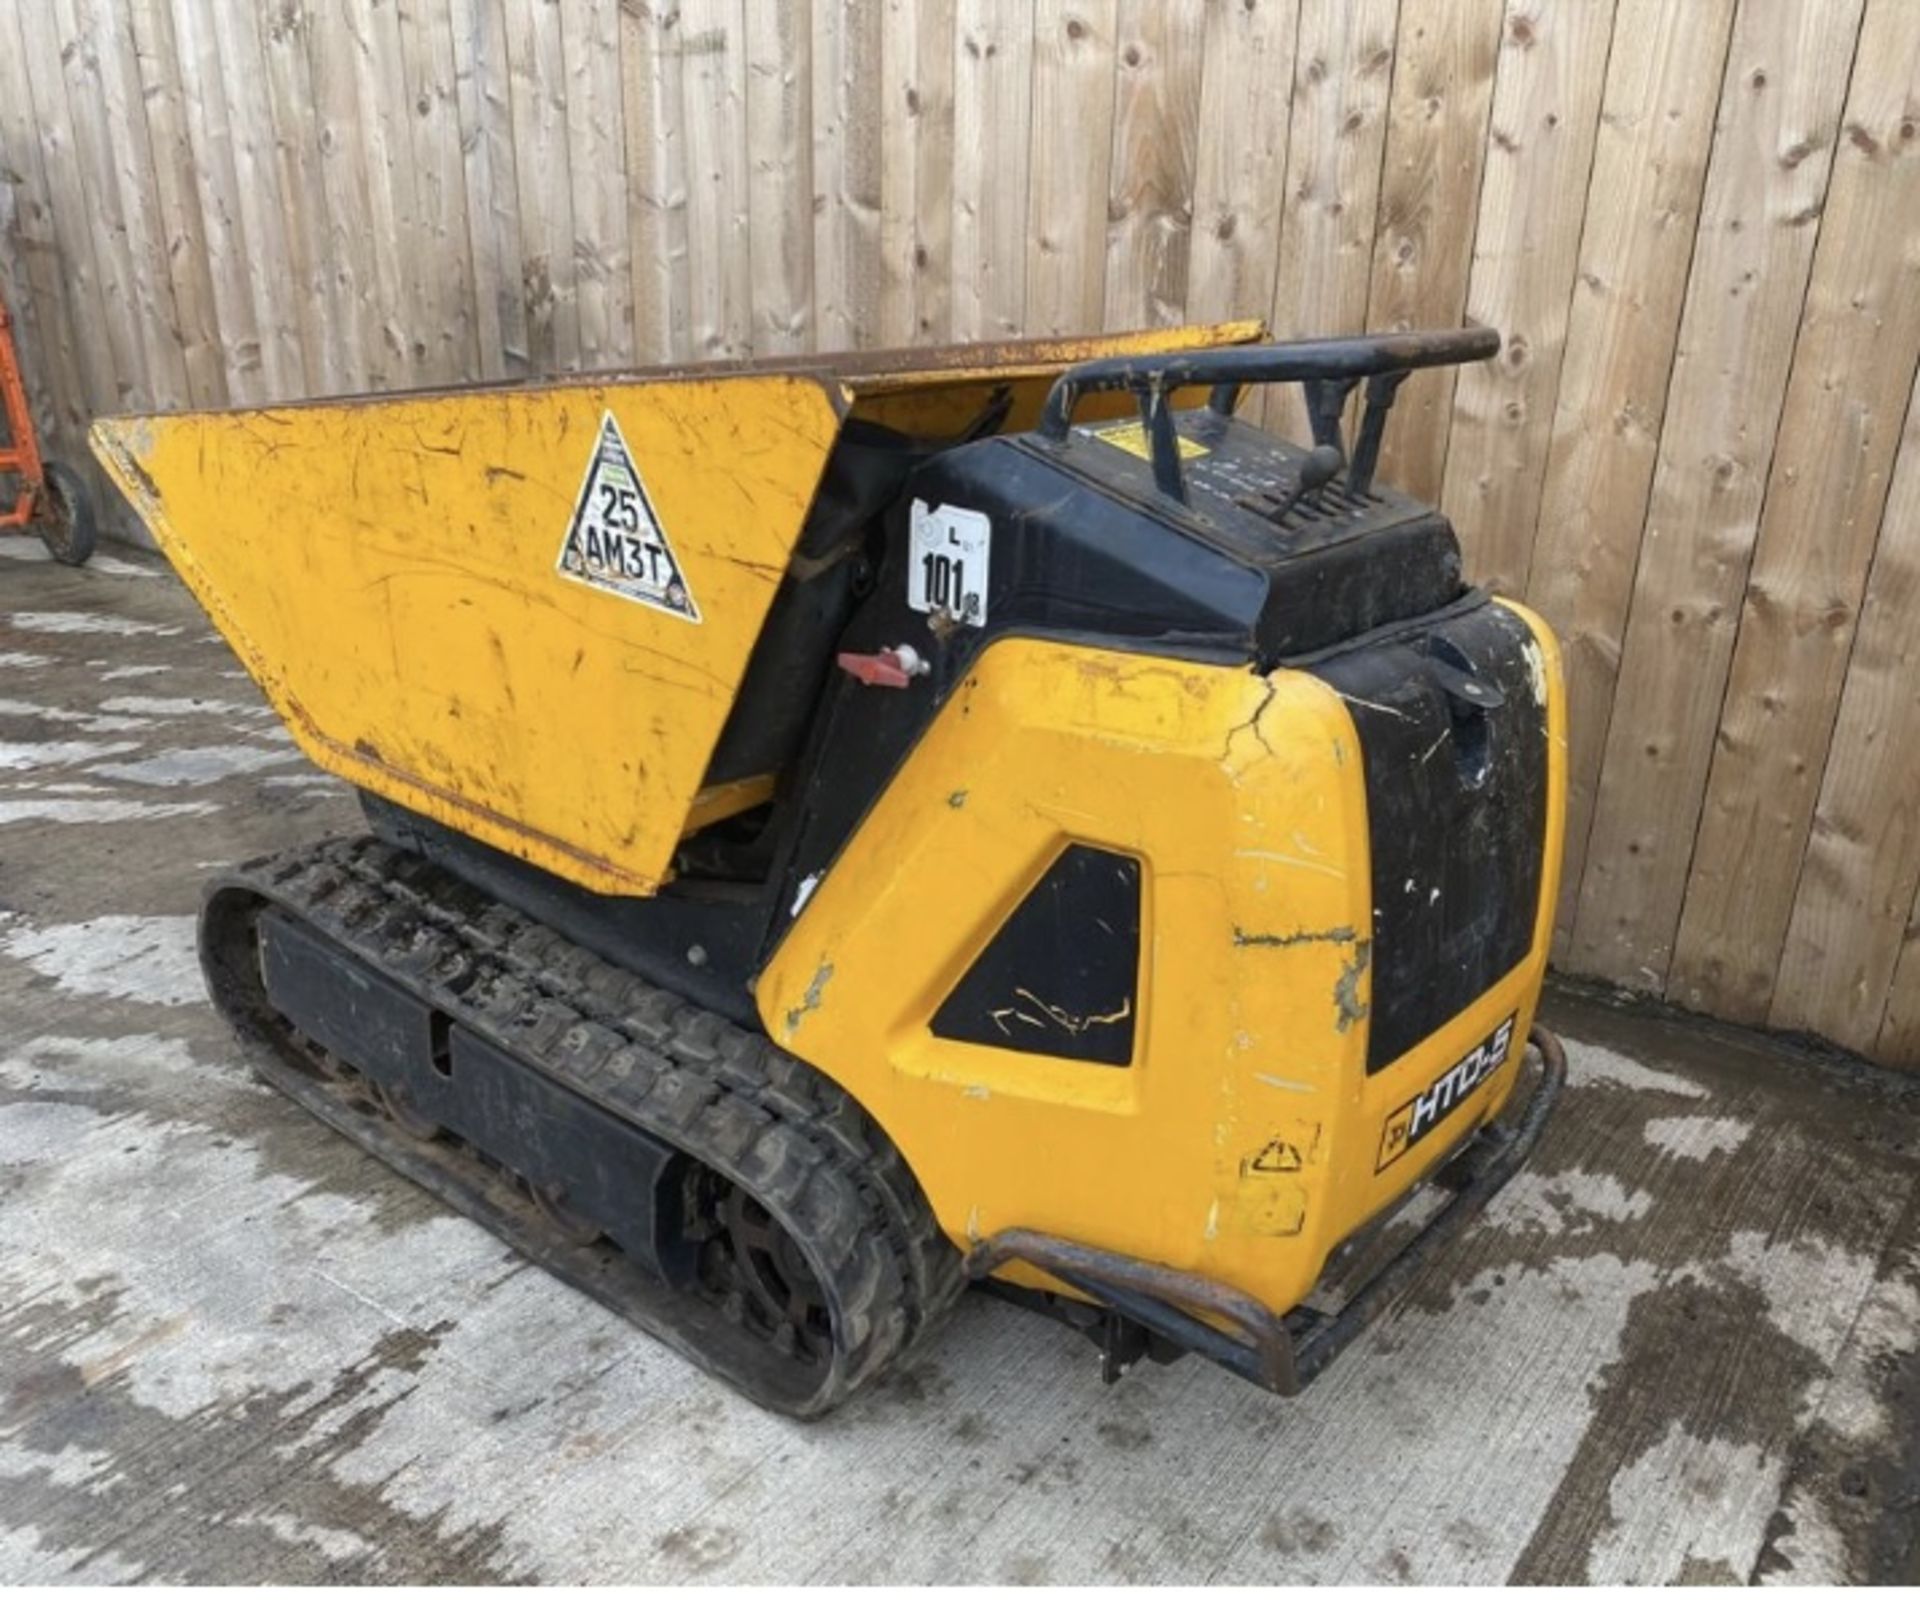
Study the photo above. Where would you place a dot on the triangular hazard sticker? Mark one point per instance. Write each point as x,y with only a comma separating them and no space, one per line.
615,541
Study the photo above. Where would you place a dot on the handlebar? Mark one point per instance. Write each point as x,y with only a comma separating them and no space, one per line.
1327,370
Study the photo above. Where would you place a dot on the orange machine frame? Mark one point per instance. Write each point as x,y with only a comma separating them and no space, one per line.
20,454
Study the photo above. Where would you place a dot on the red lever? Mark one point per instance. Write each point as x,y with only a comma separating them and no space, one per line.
881,670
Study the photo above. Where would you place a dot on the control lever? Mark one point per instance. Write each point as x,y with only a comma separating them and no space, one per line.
1321,467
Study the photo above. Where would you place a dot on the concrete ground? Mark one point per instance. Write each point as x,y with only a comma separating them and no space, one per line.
1681,1346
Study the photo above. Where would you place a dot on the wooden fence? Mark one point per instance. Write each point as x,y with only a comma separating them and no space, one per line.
1696,221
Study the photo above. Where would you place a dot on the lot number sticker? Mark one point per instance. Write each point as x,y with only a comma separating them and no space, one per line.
615,541
947,560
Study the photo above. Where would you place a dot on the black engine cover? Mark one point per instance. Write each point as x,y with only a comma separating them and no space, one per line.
1453,735
1243,570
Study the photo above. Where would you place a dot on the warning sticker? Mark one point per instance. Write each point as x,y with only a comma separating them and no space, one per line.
615,541
1132,438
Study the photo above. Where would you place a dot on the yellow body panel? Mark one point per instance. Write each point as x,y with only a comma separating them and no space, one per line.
386,568
1217,1150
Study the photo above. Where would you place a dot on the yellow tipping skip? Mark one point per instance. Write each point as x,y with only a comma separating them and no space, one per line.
525,611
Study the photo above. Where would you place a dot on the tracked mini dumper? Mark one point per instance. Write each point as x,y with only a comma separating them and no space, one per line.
845,827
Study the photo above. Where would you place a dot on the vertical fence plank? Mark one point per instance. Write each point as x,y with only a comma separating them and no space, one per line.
992,72
440,232
1240,158
719,242
96,198
1429,204
1342,79
1073,118
536,73
1862,868
362,43
123,195
484,95
780,184
1643,205
284,86
1852,371
103,384
287,327
1546,110
364,356
36,285
650,78
916,171
217,183
847,269
183,233
410,299
1156,125
596,168
1779,115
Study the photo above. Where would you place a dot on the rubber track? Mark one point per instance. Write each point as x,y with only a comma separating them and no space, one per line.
730,1098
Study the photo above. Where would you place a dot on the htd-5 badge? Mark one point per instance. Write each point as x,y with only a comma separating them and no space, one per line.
1416,1119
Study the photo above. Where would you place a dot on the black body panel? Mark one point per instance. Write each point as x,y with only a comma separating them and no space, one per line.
830,571
1059,977
351,1010
1327,563
1247,568
1453,737
702,940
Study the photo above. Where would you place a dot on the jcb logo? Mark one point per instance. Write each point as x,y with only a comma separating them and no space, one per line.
1394,1141
1412,1122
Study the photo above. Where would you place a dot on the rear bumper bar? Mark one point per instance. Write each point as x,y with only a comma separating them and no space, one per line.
1286,1353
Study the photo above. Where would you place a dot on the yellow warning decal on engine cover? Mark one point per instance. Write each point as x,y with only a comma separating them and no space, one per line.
1132,438
1416,1119
615,541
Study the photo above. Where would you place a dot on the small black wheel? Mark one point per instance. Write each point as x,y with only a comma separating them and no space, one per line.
551,1201
398,1106
66,519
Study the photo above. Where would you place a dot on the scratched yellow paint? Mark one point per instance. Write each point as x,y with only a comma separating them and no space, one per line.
387,571
385,567
1241,1144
